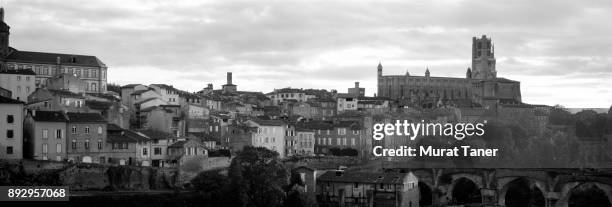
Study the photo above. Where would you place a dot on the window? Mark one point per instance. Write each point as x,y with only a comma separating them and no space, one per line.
73,130
353,141
338,142
99,144
10,119
74,144
58,148
18,78
45,134
45,149
28,89
99,130
58,134
144,151
342,131
157,151
86,144
344,141
9,150
328,132
86,130
9,134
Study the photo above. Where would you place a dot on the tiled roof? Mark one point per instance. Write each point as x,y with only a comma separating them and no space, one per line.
156,134
130,85
18,72
146,100
164,86
5,100
202,136
84,117
178,144
49,116
287,90
118,134
98,105
363,177
268,122
64,93
140,92
107,96
315,125
51,58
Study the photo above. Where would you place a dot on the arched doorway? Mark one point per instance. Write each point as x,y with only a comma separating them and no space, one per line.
522,193
466,192
425,195
588,194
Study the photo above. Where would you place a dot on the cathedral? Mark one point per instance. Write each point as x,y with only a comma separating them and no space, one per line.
479,87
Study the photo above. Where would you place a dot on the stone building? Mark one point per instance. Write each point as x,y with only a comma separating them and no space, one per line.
270,134
229,87
125,147
338,188
11,128
87,137
19,82
45,65
480,85
45,135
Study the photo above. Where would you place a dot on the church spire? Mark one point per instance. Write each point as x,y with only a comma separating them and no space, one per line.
427,72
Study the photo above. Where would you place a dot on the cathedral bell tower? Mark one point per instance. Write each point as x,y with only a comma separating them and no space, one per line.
483,58
4,36
379,79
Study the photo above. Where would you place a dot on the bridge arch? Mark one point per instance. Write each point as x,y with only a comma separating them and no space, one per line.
426,194
465,189
535,188
568,188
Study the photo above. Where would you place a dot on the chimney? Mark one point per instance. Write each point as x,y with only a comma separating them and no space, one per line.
229,78
357,84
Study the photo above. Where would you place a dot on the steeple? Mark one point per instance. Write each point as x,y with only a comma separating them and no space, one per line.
427,72
379,69
407,73
1,14
468,74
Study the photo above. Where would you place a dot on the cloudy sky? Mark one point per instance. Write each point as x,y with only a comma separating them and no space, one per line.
561,51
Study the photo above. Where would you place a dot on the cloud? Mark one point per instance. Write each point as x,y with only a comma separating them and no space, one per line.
328,44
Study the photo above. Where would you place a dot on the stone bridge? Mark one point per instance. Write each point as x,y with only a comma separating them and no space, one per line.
509,187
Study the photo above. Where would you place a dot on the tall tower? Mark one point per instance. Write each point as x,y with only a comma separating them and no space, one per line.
483,58
379,80
4,36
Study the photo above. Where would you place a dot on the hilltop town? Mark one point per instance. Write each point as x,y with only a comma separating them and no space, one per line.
61,108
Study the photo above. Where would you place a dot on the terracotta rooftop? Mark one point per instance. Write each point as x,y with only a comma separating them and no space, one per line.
49,116
51,58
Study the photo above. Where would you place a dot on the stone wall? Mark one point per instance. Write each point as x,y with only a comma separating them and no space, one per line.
86,176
